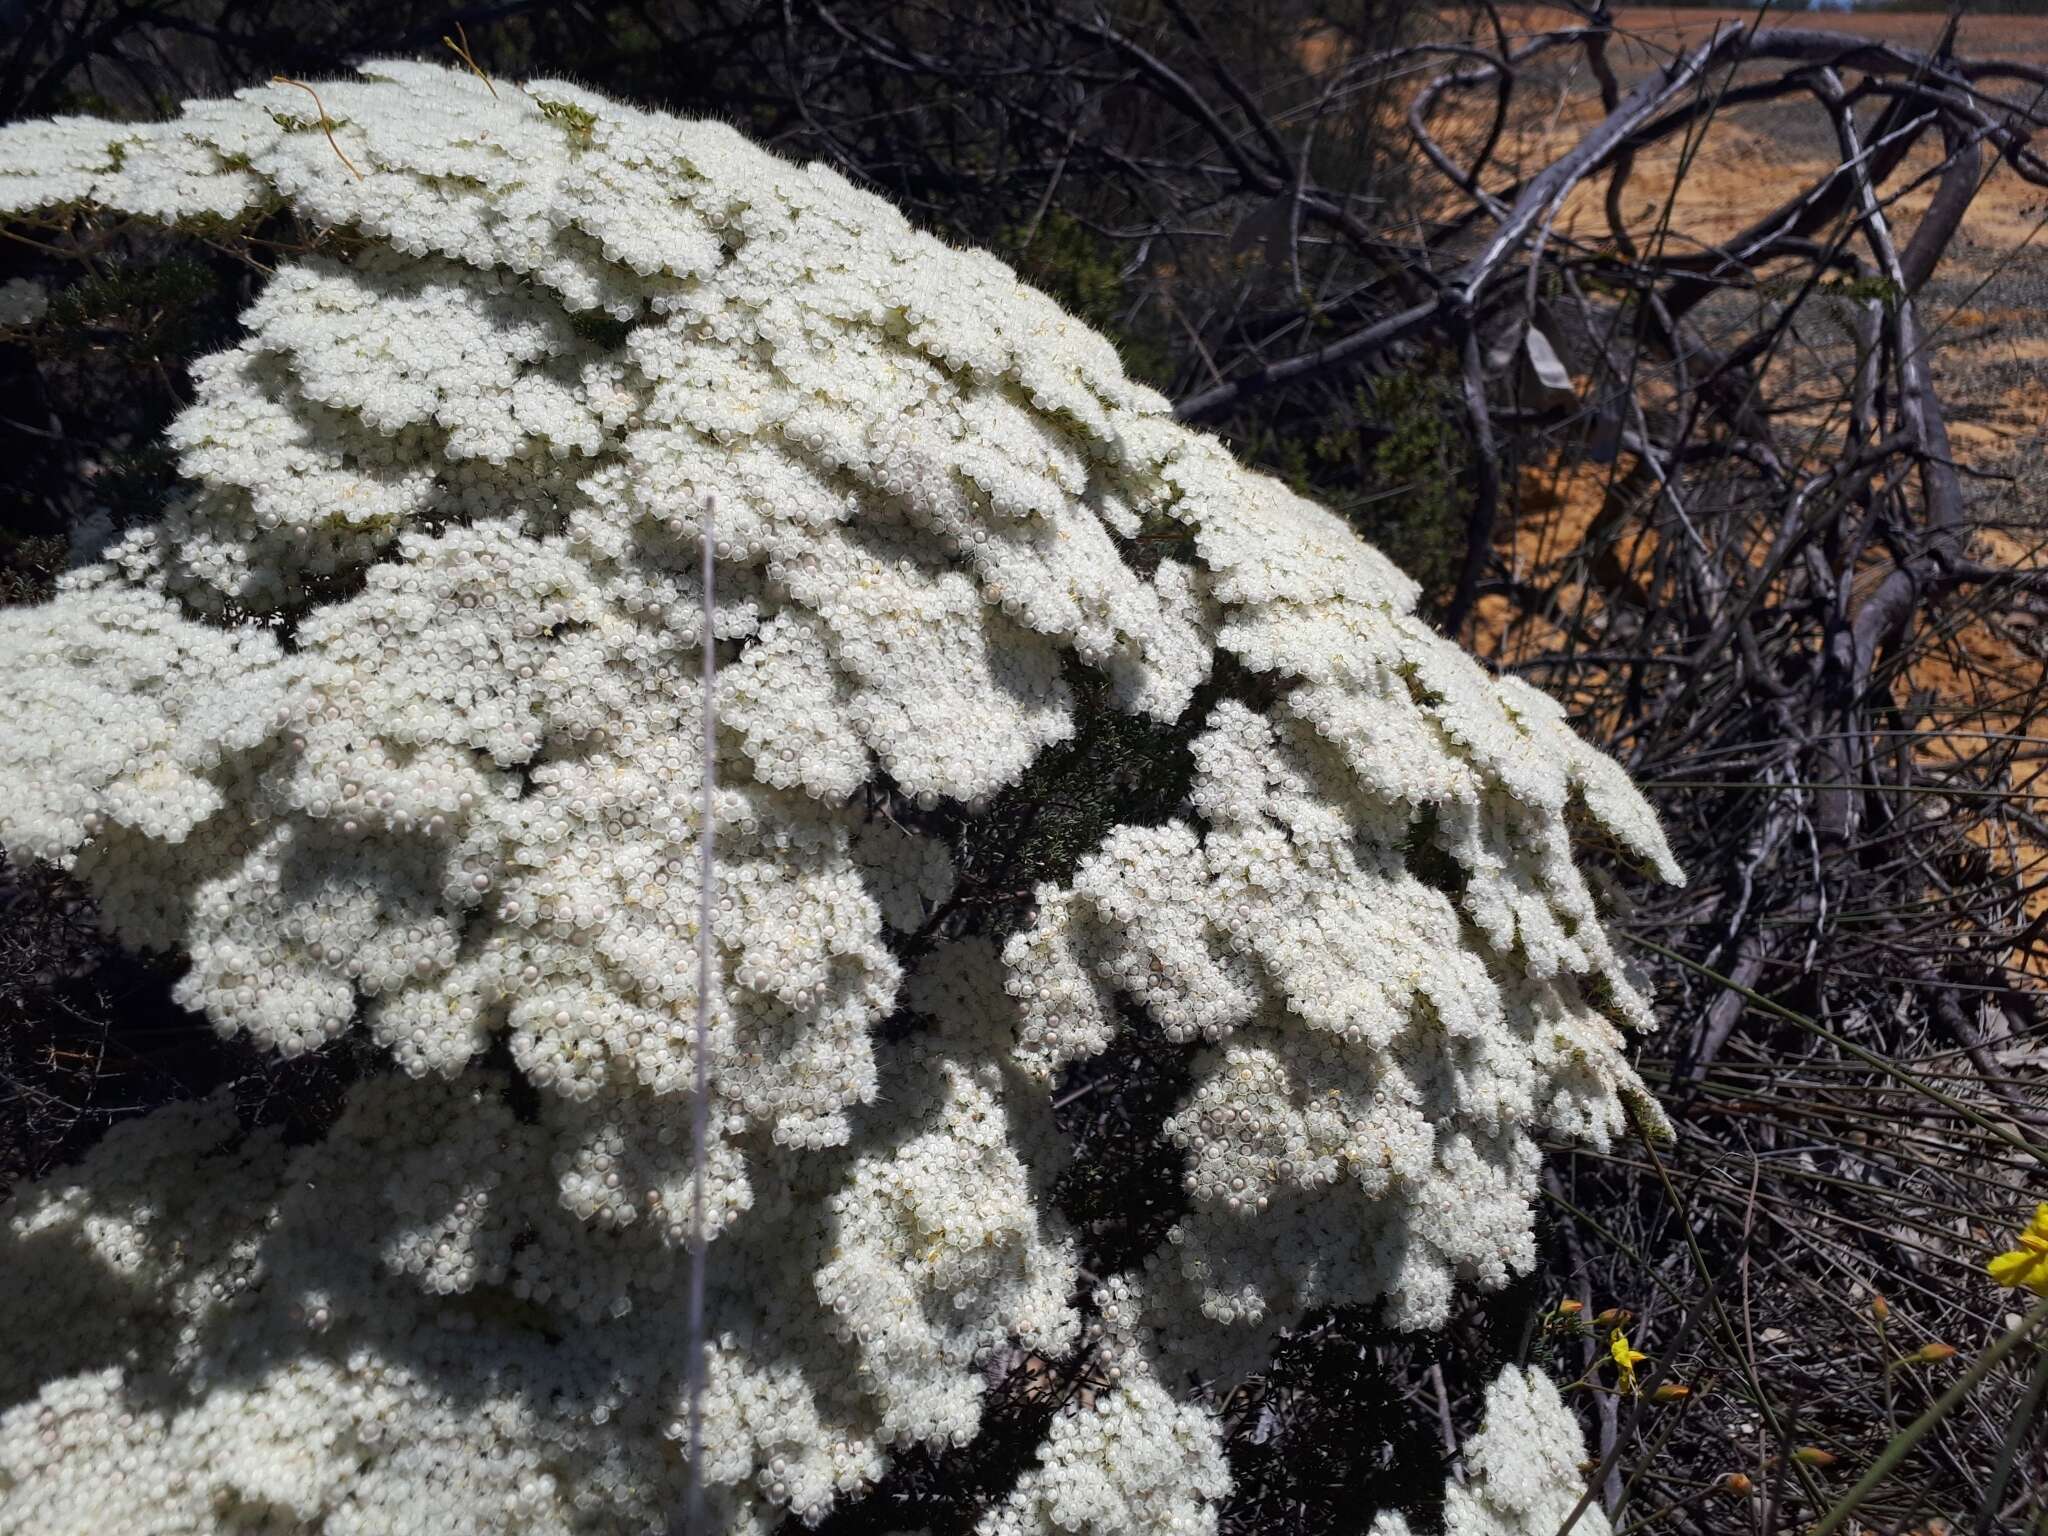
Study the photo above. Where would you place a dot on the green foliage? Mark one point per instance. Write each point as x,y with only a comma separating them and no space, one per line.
136,482
104,365
29,564
1396,464
291,122
1082,270
1426,860
1117,769
1397,467
143,311
576,121
1788,288
1871,287
601,329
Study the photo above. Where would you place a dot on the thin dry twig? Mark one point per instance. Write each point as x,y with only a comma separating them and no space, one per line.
326,122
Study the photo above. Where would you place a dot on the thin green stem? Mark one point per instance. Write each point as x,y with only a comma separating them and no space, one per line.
1869,1058
1903,1442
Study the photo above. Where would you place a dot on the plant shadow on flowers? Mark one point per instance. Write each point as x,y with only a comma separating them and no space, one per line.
1117,770
90,1038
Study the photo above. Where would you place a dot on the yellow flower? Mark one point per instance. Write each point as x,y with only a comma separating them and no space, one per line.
2026,1267
1628,1359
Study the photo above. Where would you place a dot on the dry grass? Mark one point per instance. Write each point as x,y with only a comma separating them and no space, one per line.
1876,1124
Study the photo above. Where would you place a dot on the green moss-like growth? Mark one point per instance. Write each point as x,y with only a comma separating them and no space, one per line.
1393,458
292,122
601,329
1116,770
1083,270
1410,454
29,564
145,311
575,121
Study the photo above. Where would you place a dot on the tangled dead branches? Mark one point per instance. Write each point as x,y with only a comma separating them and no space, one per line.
1713,494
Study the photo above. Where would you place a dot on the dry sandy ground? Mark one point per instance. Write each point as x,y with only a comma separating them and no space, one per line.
1987,311
2003,37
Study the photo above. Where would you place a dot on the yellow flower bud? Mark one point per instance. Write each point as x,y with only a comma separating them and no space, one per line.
1671,1392
1738,1483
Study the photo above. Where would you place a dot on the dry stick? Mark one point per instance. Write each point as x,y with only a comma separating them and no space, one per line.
1445,1424
1547,190
1883,618
1665,1433
1939,791
1485,473
1369,342
2009,1451
1769,1414
461,51
1627,130
1885,1156
1902,1443
1500,70
1052,186
1716,1191
1824,776
1605,1406
700,1101
1608,1474
326,122
1166,82
1625,161
1536,200
1552,1191
1805,213
1499,67
1255,115
1869,1058
1534,210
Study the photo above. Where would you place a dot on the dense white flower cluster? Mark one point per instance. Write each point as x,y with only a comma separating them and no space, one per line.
392,722
408,1327
1522,1468
1127,1463
1377,1048
23,302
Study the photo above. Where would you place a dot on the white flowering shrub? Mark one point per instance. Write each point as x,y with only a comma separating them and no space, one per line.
1521,1468
391,725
